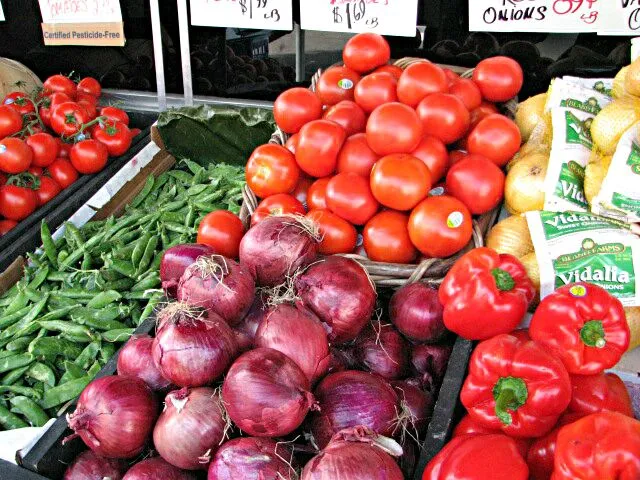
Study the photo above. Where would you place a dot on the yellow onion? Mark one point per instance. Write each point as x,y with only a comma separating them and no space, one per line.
594,174
618,89
633,319
511,236
612,121
529,113
524,187
632,79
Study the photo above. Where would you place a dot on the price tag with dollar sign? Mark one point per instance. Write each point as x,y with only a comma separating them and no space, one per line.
255,14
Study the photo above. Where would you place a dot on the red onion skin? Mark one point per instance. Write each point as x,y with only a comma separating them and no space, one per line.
382,350
266,394
190,428
135,359
353,398
340,293
430,359
115,415
191,352
416,311
275,248
157,468
89,466
417,402
229,296
175,261
246,330
296,332
342,359
251,458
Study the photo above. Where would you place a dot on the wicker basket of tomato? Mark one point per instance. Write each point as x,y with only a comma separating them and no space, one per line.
401,168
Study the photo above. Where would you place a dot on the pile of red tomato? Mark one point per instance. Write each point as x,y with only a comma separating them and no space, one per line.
47,139
406,157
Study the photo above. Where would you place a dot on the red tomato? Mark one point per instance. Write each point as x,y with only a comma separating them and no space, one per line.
6,226
17,203
356,156
400,181
3,179
440,226
271,169
433,154
444,116
386,238
348,115
419,80
67,118
89,156
366,51
15,155
48,189
392,69
279,204
338,235
20,102
115,136
63,172
80,97
393,128
222,231
292,143
484,110
302,187
61,84
452,77
349,196
318,147
467,91
115,114
57,98
476,182
90,86
499,78
495,137
90,108
295,107
336,84
37,171
44,147
45,116
317,194
10,121
376,89
64,148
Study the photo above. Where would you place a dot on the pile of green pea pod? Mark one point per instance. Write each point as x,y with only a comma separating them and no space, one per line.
84,294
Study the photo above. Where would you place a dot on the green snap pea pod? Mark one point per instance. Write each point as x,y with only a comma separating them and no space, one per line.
73,371
122,285
30,410
140,295
10,421
7,297
138,251
107,351
129,237
188,220
93,370
35,260
124,253
48,244
175,205
14,375
58,313
16,361
43,373
8,320
211,197
152,280
149,308
88,355
157,260
64,392
119,335
76,234
175,217
6,353
19,302
69,240
39,278
86,261
146,190
98,324
67,328
20,344
76,338
192,166
31,327
110,275
75,293
147,256
60,276
181,176
53,346
32,295
123,267
122,223
165,239
178,228
31,392
25,322
196,190
104,299
57,302
62,256
79,253
206,207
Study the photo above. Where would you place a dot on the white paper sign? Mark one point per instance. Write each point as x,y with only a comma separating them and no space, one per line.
2,19
86,11
621,17
386,17
257,14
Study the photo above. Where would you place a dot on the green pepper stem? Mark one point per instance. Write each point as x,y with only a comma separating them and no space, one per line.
592,334
504,280
510,393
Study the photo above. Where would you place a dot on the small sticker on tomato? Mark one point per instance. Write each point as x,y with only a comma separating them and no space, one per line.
345,84
436,191
455,219
3,148
578,291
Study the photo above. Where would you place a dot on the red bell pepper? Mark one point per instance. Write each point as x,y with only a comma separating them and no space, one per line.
468,426
599,393
584,326
485,294
516,386
478,457
601,446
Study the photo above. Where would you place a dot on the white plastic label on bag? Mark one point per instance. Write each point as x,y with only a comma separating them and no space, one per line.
386,17
254,14
88,11
2,19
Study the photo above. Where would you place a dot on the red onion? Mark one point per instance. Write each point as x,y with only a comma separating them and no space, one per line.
157,468
246,330
89,466
252,458
190,428
114,416
135,359
416,311
220,285
430,360
382,350
266,393
297,333
355,454
276,247
339,291
175,261
192,347
352,398
341,359
416,406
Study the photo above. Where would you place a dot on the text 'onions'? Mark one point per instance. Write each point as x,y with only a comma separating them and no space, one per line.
382,350
135,359
175,261
416,311
156,468
89,466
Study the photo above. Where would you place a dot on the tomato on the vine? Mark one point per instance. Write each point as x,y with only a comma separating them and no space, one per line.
10,121
6,226
271,169
392,69
365,52
113,135
45,149
356,156
89,156
36,171
90,86
221,230
433,153
419,80
476,182
278,204
348,115
495,137
47,190
63,148
467,91
440,226
376,89
386,238
499,78
400,181
115,114
317,194
336,84
89,107
444,116
17,202
318,147
15,155
296,107
338,235
20,102
349,196
61,84
56,99
85,97
63,172
393,128
67,118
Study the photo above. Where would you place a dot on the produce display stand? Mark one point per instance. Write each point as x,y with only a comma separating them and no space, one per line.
9,471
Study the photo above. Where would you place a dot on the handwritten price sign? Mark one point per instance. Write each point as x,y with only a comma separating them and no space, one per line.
257,14
74,11
387,17
621,17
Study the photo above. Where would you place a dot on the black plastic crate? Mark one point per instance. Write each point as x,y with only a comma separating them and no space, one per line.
9,471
